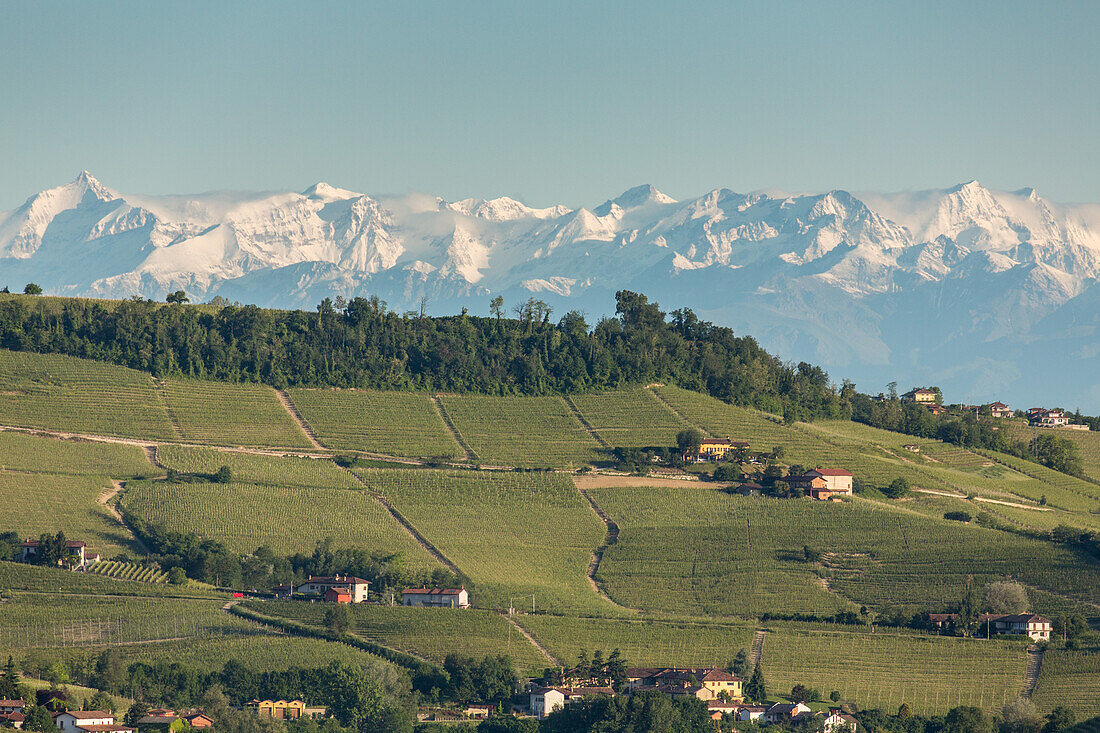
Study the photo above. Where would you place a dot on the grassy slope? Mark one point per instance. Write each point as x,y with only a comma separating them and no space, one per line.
521,431
392,423
287,519
512,533
253,469
78,395
432,633
231,414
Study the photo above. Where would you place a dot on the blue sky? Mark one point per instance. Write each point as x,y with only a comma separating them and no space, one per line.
553,101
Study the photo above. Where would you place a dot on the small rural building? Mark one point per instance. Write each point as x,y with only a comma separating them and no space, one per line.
89,721
715,449
751,713
782,712
12,706
76,550
1038,417
999,409
337,595
13,720
823,483
1025,624
920,395
285,709
838,722
199,720
545,700
436,597
479,710
912,447
718,708
357,587
750,488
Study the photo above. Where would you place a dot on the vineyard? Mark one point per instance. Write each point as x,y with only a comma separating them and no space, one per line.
630,418
432,633
512,533
642,642
391,423
78,395
1088,443
1071,678
17,577
36,503
522,431
702,551
253,469
128,571
287,519
22,452
883,670
219,413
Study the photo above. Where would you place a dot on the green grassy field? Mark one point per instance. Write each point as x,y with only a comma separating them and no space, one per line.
1070,678
930,673
392,423
77,395
18,577
512,533
698,550
432,633
642,642
630,418
286,519
522,431
220,413
37,503
253,469
22,452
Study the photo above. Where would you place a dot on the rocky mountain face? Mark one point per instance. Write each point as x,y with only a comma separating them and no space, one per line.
988,294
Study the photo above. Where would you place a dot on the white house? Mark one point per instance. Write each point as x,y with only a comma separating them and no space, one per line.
786,711
356,587
1025,624
545,700
838,722
837,480
76,551
436,597
751,713
89,721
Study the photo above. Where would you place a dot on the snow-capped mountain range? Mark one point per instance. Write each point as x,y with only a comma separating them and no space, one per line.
988,294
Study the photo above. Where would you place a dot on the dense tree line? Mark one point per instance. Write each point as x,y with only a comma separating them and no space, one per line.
362,344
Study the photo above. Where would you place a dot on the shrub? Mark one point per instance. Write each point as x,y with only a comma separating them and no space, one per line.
957,516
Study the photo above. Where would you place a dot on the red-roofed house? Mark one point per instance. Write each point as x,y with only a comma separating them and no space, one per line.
436,597
317,586
75,549
337,595
89,721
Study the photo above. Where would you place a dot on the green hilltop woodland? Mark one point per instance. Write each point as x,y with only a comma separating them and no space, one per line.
365,345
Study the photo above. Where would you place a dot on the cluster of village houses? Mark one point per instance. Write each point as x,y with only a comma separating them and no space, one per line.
350,589
723,693
1037,417
157,720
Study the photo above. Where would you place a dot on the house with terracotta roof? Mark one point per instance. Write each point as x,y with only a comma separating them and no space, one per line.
920,395
718,708
318,586
545,700
76,553
823,483
337,595
12,706
999,409
198,720
436,597
838,722
89,721
1039,417
1024,624
285,709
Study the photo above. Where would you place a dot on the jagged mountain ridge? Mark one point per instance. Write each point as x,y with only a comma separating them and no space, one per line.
946,286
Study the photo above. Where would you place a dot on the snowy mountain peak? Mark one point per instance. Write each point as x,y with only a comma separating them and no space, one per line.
504,208
324,192
634,198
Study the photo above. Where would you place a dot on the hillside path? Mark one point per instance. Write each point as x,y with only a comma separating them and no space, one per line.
534,642
584,421
1034,667
450,425
757,651
407,525
679,415
300,421
610,538
104,500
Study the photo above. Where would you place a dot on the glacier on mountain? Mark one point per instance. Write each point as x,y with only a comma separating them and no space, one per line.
953,286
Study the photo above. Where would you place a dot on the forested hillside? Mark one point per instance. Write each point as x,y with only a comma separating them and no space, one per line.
362,344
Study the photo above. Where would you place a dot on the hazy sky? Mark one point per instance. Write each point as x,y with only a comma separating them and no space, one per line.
551,101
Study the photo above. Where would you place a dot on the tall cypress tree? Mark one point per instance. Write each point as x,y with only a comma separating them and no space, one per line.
756,690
